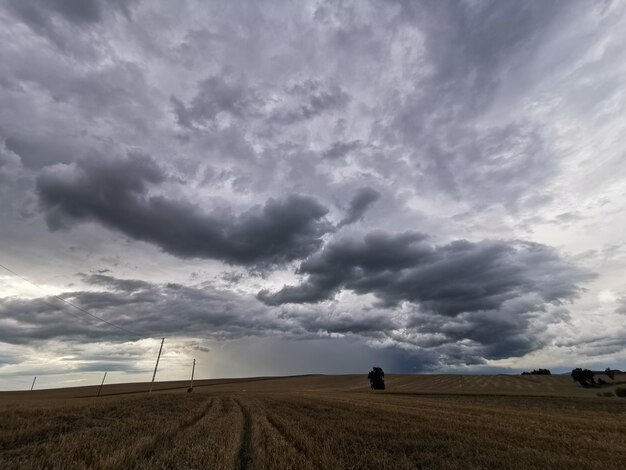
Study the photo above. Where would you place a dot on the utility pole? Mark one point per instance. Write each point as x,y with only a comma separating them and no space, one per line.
100,389
193,369
33,385
156,365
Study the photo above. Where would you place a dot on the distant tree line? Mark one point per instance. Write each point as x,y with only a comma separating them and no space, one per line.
537,372
585,377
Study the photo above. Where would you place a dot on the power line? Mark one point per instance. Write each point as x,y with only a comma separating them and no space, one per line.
72,305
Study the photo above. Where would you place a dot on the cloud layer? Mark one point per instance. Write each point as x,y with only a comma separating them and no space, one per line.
115,194
155,310
429,183
449,279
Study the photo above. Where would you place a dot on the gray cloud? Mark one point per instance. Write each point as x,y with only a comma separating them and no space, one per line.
37,152
216,94
340,149
149,309
451,152
362,200
477,119
37,13
115,194
155,310
67,23
450,279
312,99
231,95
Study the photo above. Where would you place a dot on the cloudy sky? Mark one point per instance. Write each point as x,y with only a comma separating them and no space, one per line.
295,187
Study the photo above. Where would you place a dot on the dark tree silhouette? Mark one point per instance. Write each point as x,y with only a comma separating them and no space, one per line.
538,372
376,378
583,377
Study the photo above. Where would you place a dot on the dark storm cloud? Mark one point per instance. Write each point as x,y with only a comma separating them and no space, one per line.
461,276
25,320
154,310
341,149
342,260
115,194
37,13
124,285
514,328
366,323
359,204
37,151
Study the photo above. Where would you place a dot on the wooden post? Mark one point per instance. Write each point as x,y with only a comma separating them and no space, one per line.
100,389
33,385
156,365
193,369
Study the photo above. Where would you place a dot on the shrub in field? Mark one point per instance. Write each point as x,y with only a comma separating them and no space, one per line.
620,392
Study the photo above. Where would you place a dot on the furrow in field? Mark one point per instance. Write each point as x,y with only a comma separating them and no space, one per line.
211,442
161,442
502,423
358,431
286,436
96,422
445,410
275,445
244,457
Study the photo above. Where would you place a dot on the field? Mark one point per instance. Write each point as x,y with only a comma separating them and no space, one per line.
427,421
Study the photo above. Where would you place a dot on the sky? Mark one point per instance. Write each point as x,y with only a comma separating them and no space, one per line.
310,187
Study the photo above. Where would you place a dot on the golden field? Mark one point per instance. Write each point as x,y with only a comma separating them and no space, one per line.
420,421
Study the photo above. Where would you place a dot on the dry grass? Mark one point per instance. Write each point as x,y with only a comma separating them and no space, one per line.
318,422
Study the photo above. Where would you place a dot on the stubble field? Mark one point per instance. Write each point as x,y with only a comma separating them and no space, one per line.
318,422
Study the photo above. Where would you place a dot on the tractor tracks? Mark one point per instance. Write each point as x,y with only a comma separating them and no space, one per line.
244,456
160,442
284,434
263,435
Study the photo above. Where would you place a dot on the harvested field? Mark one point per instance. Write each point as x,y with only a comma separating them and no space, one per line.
318,422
